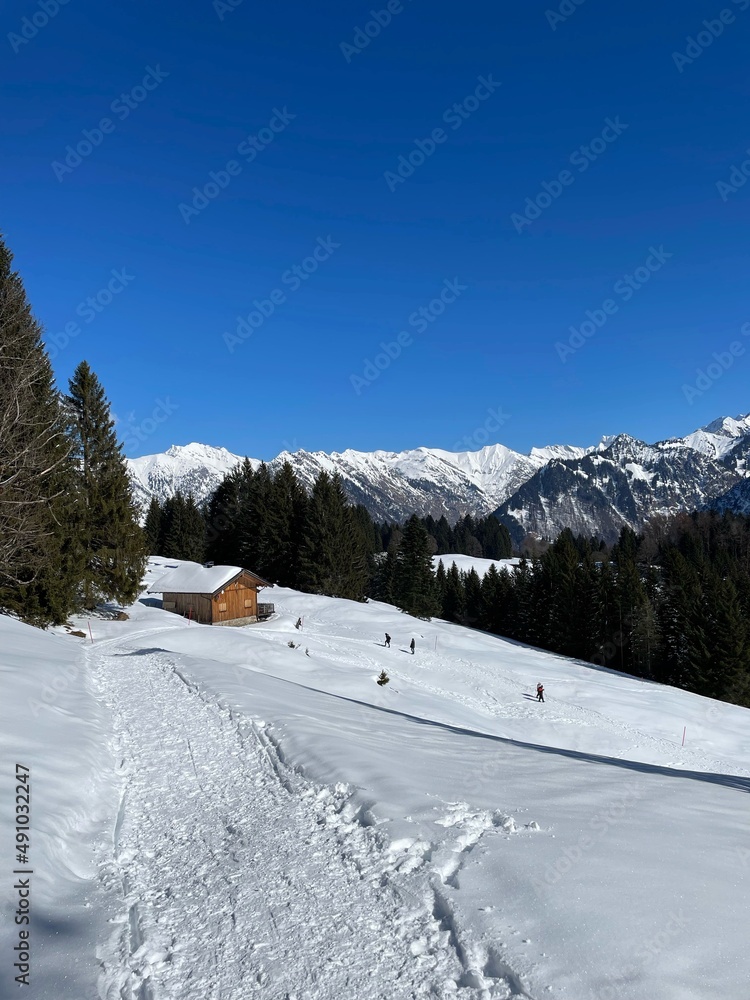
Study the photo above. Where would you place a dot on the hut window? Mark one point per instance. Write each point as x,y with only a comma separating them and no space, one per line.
222,607
248,604
168,605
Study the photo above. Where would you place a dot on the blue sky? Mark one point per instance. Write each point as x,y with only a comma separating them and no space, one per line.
558,165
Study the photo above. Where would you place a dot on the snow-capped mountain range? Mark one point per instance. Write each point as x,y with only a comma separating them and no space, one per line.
597,489
392,485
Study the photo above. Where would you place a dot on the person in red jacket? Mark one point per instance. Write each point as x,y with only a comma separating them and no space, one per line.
540,692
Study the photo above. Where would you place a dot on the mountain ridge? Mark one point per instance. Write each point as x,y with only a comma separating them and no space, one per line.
597,489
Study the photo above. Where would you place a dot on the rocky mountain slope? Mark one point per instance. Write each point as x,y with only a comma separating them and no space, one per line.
624,483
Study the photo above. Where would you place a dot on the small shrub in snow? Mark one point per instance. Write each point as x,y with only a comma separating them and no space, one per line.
384,678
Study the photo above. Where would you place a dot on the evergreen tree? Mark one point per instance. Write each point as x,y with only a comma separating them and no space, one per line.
454,596
496,588
253,517
152,528
442,533
559,571
603,615
685,649
494,538
415,579
108,533
222,515
38,558
440,583
521,604
473,598
333,556
584,631
184,529
383,586
723,671
285,511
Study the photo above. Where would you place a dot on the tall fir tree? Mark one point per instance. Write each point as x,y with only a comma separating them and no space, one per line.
252,527
38,563
416,592
473,592
110,538
152,528
496,588
333,556
284,515
222,515
453,603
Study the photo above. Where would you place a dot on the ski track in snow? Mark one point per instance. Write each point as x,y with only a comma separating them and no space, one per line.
242,878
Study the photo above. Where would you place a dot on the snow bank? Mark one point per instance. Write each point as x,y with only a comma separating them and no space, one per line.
53,725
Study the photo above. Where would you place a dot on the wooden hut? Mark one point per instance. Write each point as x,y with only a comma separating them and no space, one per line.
213,595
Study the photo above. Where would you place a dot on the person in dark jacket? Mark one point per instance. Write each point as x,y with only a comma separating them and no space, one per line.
387,640
412,646
540,692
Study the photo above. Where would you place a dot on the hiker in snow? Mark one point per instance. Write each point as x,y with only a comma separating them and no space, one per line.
539,692
298,623
412,646
387,640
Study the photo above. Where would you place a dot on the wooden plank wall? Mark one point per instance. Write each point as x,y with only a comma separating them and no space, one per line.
201,606
239,601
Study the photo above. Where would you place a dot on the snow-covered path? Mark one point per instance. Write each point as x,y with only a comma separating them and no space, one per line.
242,877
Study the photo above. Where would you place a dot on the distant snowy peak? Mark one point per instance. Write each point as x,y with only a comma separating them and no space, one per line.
540,456
188,454
717,439
192,468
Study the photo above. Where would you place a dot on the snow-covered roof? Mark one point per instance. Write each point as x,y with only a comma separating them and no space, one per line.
192,578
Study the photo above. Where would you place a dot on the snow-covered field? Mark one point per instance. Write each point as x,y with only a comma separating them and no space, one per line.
217,815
